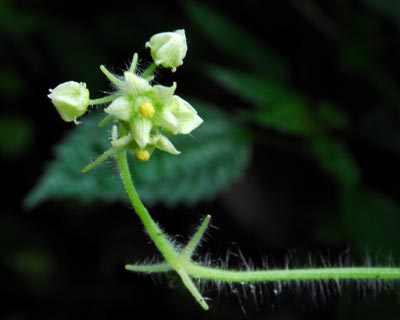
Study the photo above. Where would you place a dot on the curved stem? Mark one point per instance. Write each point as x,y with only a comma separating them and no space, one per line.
350,273
156,234
118,82
103,100
149,71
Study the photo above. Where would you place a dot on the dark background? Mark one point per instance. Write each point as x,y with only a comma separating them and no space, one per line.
63,260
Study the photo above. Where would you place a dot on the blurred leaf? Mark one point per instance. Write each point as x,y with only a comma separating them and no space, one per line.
15,135
289,116
357,55
331,116
235,42
75,51
11,84
381,128
279,108
17,21
212,158
335,158
389,8
24,251
34,266
372,220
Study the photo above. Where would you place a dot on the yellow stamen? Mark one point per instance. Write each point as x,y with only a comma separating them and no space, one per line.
147,110
142,155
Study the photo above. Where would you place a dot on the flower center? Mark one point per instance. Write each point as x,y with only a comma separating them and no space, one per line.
142,155
147,110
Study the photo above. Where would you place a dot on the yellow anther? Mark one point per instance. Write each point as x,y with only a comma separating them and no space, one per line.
142,155
147,110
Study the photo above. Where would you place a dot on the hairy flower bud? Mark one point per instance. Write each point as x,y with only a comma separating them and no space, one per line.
71,99
168,48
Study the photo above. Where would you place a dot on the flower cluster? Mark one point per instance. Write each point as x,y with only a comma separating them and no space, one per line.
144,113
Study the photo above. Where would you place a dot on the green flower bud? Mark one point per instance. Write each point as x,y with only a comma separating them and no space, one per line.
71,99
168,48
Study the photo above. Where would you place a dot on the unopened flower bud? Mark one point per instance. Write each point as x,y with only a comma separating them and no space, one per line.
142,155
71,99
168,48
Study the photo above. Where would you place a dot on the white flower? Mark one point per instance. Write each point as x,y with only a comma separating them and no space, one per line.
71,99
168,48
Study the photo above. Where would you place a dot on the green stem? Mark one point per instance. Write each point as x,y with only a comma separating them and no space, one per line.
118,82
104,100
350,273
149,71
196,239
156,234
132,68
151,268
107,154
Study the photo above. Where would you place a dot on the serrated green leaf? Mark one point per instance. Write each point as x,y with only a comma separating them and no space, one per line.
212,157
234,41
335,158
278,107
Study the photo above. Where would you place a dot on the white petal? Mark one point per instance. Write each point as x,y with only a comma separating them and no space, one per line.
164,93
140,129
165,145
120,108
167,120
187,116
134,84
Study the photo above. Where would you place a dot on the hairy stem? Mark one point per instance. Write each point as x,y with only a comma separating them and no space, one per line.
104,100
107,154
348,273
156,234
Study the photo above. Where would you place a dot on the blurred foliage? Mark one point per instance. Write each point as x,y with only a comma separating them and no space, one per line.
317,81
280,107
234,42
212,157
16,135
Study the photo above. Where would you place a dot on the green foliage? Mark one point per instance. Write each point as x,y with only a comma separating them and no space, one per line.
335,158
15,135
16,21
214,156
331,116
234,41
388,8
11,84
278,107
372,220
